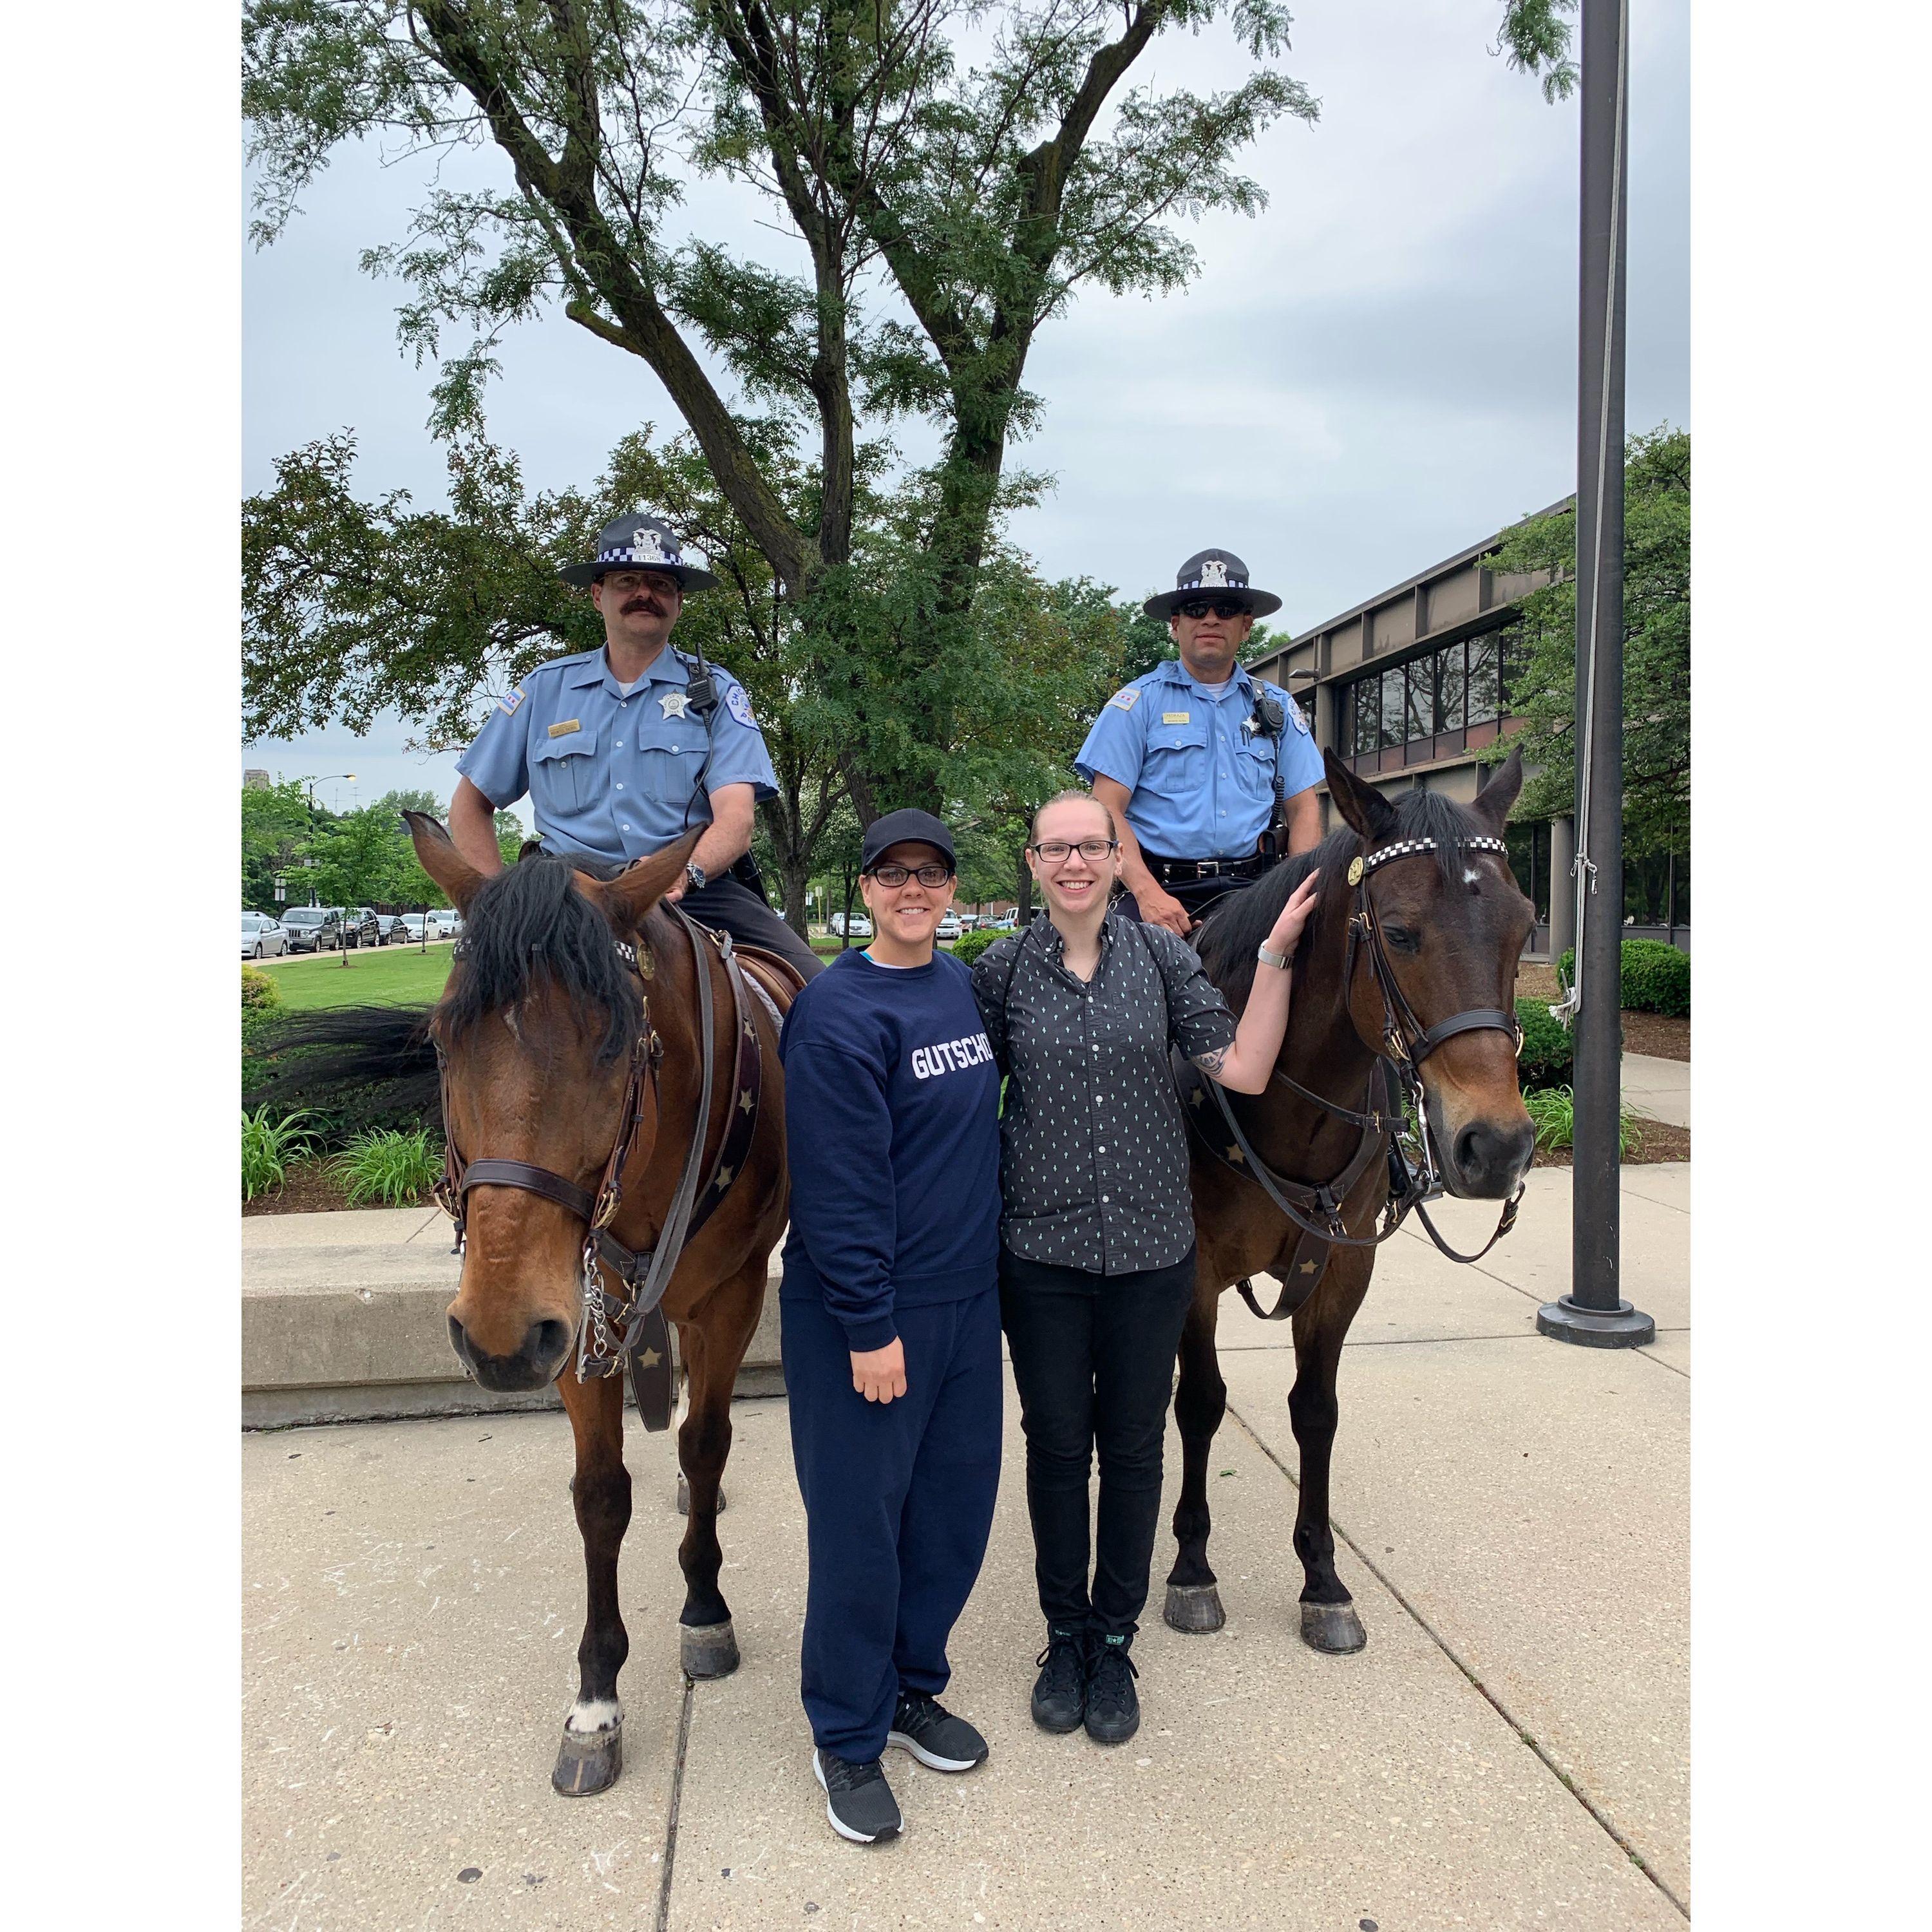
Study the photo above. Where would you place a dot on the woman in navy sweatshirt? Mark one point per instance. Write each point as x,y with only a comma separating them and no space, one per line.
890,1313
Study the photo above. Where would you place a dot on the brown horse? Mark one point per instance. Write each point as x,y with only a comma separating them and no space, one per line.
1434,907
564,985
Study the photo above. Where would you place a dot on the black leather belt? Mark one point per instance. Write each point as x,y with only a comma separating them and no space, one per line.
1181,871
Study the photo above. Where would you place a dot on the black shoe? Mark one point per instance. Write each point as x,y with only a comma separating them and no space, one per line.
858,1800
1060,1695
1113,1709
939,1740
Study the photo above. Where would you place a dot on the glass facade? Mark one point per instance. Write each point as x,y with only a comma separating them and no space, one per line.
1528,845
1460,691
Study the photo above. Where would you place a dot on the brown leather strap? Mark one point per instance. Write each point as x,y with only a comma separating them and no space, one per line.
532,1180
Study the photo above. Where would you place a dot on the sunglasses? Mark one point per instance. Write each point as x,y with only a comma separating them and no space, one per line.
893,877
1223,607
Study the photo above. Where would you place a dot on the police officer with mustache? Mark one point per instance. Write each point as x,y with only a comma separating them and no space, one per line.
1210,775
625,749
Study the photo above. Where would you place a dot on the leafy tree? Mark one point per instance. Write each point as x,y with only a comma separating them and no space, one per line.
947,207
397,802
277,821
1657,650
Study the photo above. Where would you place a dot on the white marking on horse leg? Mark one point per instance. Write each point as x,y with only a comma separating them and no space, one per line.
595,1713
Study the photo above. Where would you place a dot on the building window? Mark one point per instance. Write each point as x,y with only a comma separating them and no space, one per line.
1393,707
1420,718
1450,688
1485,693
1461,687
1529,859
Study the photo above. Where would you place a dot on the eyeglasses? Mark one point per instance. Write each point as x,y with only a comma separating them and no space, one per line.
1223,607
893,877
626,581
1057,851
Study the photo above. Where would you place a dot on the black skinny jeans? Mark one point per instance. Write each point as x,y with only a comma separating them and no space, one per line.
1094,1357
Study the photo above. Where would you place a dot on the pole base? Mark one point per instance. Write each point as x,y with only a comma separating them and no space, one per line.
1622,1327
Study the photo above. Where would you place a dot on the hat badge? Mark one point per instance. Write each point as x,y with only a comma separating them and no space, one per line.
1214,574
647,546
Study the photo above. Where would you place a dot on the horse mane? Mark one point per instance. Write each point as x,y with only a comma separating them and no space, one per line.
1242,921
530,921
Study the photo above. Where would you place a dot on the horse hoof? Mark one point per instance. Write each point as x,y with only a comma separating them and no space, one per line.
1195,1608
1332,1627
707,1650
588,1763
684,1496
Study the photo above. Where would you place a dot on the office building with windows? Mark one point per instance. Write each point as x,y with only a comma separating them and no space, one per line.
1407,688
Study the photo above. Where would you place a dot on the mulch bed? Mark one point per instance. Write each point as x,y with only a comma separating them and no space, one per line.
1663,1035
1658,1142
310,1188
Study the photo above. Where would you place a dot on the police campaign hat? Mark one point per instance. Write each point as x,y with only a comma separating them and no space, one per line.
1211,573
899,828
639,542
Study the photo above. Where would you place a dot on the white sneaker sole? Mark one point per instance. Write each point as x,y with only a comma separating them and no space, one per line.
832,1819
931,1759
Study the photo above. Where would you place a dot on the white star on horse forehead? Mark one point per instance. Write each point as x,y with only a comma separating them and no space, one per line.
674,703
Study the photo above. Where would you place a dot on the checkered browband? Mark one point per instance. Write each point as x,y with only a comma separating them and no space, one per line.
642,560
1407,848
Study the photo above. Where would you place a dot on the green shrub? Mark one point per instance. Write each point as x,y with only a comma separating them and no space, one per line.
396,1168
1548,1050
260,992
1656,977
268,1147
969,946
1553,1109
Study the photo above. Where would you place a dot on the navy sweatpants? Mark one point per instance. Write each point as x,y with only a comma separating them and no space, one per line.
898,1504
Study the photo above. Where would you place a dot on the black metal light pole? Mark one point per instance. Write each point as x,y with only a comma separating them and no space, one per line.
1594,1313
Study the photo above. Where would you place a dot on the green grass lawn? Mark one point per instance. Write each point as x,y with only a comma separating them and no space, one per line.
386,976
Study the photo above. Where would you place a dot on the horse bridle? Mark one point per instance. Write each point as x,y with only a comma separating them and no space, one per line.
645,1272
1405,1044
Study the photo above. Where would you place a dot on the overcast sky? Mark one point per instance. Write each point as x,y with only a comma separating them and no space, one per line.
1375,373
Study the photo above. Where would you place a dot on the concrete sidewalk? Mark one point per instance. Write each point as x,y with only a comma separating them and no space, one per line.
1660,1089
1512,1743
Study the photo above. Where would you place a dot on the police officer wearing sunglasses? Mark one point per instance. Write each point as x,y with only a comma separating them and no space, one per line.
1210,774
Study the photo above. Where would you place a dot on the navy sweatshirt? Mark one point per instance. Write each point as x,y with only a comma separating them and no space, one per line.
893,1130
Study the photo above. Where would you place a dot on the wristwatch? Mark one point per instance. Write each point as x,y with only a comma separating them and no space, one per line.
694,876
1280,961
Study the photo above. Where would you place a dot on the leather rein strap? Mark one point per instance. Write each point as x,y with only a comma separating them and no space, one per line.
644,1274
1406,1043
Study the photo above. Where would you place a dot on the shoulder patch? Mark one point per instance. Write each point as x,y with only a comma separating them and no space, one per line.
1297,717
508,705
739,705
1125,700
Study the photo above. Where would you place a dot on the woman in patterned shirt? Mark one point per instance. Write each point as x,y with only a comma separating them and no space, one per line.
1096,1265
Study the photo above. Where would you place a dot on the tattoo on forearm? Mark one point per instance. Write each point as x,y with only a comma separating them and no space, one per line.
1211,1064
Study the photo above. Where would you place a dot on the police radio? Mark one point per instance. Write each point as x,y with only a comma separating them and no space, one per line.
1269,721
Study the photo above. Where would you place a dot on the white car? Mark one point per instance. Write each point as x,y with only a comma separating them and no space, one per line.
262,936
444,923
859,926
411,923
1006,922
950,926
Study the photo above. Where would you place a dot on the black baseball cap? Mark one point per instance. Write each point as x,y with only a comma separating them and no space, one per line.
896,828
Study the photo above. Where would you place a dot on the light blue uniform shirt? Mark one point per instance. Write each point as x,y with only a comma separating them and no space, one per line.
1200,784
614,776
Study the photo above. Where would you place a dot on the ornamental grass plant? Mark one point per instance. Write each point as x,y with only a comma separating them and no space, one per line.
270,1146
389,1165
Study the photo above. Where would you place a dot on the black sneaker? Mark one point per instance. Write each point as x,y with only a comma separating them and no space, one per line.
939,1740
1113,1709
1059,1694
858,1800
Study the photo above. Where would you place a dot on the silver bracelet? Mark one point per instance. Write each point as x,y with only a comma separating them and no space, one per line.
1279,961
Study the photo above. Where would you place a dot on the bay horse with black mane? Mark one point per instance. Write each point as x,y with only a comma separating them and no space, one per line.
1409,961
606,1146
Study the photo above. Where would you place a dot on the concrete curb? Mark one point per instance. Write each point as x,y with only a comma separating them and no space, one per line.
353,1329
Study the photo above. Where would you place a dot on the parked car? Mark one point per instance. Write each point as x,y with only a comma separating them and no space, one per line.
950,926
444,923
262,937
411,924
389,927
859,926
313,928
359,927
1007,922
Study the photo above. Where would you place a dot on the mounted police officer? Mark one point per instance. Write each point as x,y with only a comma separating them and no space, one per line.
624,750
1210,775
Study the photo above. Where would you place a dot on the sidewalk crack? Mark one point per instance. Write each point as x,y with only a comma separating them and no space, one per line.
1489,1696
662,1920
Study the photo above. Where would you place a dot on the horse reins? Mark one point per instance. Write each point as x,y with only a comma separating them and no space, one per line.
645,1272
1406,1044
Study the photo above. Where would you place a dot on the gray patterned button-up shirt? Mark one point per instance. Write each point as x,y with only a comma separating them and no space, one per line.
1092,1143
